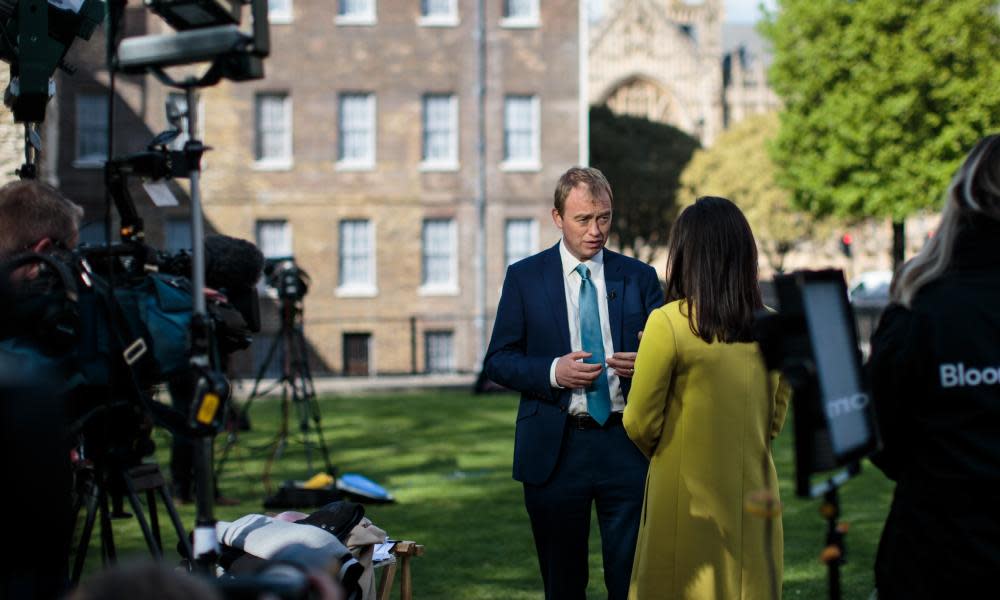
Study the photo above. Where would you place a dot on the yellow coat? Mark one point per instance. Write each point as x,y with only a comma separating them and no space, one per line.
701,412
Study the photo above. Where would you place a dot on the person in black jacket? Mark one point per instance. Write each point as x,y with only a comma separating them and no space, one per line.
935,369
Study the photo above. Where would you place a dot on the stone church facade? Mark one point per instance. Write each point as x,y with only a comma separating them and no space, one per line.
674,62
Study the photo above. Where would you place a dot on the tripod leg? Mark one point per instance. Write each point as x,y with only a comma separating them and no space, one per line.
154,519
299,400
140,515
108,554
168,504
309,395
279,440
88,528
263,368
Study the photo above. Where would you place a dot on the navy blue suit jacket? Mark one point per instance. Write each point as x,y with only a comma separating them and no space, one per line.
532,329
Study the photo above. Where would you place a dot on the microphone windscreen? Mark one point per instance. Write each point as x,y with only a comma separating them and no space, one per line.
231,263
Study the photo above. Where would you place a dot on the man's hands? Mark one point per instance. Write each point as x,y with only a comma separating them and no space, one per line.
570,373
623,363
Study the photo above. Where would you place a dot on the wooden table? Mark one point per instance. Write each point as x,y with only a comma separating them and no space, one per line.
403,551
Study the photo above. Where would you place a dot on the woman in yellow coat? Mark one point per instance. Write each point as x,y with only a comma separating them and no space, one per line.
704,410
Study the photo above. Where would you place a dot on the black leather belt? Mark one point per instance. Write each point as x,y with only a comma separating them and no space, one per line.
585,421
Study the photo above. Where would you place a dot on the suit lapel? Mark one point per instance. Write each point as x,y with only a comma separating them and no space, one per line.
614,280
555,289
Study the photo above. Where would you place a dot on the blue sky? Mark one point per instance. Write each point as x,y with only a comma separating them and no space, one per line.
745,11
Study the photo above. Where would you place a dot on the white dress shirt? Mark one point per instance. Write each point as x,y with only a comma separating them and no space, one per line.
571,285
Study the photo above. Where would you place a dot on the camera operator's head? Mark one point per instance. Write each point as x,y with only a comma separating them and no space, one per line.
971,208
35,217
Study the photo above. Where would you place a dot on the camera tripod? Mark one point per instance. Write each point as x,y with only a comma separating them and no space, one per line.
117,480
297,390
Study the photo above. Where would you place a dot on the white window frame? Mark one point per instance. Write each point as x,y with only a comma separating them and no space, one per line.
366,17
94,160
532,243
287,234
366,163
452,365
439,288
528,21
281,17
279,163
449,163
354,289
533,162
263,289
448,19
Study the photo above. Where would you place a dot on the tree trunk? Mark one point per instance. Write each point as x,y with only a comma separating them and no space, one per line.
898,244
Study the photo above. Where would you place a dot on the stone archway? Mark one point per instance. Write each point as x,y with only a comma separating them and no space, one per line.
642,97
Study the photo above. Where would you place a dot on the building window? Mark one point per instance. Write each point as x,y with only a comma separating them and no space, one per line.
91,130
356,137
440,257
357,354
520,13
178,235
274,238
440,143
520,135
273,139
279,11
520,239
438,12
439,349
357,258
356,12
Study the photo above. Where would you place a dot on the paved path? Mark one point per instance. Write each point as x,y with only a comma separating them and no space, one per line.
358,385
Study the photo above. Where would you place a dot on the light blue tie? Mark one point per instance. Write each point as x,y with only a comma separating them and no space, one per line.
598,395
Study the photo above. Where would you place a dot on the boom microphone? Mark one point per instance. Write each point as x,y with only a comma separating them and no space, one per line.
232,263
233,267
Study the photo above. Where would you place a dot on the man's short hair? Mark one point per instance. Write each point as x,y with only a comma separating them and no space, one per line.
588,176
31,211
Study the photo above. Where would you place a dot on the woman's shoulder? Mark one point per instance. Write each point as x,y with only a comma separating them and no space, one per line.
674,309
672,315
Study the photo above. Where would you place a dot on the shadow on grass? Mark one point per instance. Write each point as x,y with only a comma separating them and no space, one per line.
446,456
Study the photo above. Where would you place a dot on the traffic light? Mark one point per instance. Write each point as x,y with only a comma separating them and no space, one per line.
845,244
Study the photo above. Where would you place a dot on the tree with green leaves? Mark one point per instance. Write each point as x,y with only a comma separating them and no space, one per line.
739,168
882,100
643,161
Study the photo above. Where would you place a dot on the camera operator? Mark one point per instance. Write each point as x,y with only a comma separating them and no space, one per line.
35,217
935,369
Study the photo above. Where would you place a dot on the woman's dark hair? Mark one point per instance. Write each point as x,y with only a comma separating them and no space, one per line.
712,266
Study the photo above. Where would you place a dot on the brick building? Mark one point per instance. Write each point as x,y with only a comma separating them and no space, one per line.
359,154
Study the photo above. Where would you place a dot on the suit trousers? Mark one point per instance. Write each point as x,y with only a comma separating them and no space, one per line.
601,467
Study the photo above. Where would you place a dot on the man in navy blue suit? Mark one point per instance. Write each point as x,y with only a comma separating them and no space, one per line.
566,334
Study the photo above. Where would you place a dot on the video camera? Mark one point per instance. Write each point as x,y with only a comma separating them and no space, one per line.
287,278
813,341
118,325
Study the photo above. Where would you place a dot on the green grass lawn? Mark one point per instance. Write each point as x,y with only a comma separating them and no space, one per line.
446,456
